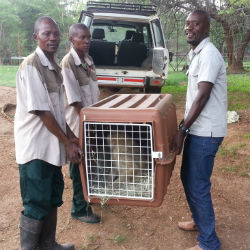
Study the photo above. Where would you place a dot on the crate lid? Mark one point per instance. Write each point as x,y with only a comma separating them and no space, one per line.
134,101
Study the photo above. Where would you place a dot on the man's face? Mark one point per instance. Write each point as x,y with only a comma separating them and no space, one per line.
47,36
81,40
196,28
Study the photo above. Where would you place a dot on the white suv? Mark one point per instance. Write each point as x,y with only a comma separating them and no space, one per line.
127,45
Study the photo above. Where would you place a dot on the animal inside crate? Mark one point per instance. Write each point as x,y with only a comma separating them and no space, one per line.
126,140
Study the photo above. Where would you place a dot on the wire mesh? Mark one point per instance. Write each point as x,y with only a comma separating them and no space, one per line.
118,160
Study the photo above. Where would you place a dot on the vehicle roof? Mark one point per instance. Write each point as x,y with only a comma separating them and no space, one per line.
121,8
125,17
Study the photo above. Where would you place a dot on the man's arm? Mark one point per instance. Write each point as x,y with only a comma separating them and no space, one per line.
73,151
204,90
77,106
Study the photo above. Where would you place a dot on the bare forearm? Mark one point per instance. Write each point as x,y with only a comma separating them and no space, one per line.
204,90
52,125
196,108
70,133
74,153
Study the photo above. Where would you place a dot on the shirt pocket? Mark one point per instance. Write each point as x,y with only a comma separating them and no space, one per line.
193,71
193,74
53,80
81,76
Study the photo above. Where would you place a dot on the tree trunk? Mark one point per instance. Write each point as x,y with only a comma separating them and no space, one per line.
235,59
230,45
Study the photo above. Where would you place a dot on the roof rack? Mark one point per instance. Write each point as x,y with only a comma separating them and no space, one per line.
138,9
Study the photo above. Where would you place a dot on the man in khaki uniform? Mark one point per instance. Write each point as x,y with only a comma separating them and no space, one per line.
81,88
43,140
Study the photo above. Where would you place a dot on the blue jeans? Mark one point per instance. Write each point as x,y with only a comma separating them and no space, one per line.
196,170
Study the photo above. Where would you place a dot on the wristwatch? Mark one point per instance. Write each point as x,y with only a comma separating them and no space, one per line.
184,129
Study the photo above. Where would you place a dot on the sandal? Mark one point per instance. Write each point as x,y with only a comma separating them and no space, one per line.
188,226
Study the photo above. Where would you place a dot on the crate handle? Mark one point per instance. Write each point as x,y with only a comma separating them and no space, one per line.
167,160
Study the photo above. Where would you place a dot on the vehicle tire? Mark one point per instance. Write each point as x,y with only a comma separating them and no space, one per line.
153,90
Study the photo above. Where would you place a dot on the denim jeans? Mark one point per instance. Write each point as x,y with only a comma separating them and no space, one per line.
196,170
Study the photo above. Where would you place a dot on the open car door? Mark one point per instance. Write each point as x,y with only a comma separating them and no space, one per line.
160,52
86,18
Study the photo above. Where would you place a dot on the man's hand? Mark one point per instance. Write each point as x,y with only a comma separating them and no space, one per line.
70,141
178,142
74,153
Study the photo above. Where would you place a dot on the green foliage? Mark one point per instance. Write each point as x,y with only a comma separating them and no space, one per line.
20,15
217,35
247,136
119,238
9,27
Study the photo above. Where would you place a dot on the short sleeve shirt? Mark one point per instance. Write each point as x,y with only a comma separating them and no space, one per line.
39,88
207,65
80,81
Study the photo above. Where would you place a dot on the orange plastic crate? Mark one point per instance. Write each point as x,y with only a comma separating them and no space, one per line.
126,140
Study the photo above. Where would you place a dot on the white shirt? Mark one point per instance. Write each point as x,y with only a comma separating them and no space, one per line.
208,65
36,91
79,87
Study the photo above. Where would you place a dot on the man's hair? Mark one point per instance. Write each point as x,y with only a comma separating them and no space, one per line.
203,13
74,27
40,20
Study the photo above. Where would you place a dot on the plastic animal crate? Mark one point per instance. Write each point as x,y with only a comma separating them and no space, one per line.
126,141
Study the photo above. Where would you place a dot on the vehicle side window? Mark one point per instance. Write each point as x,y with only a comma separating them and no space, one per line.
147,36
159,41
86,20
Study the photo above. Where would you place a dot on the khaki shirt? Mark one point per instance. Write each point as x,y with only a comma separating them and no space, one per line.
39,87
208,65
80,86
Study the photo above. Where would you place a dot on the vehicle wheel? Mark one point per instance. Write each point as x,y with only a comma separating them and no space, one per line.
153,90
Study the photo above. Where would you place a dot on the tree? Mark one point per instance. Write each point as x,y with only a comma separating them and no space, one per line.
233,15
9,26
18,16
29,11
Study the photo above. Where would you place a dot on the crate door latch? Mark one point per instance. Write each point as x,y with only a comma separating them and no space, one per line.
157,155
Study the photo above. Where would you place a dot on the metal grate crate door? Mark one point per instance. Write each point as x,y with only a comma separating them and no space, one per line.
118,160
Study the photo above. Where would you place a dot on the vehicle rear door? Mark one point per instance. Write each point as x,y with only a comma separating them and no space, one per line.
86,18
160,52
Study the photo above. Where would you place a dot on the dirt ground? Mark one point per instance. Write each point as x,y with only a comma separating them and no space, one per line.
124,227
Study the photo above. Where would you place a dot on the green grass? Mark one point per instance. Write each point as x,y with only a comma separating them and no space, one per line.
176,84
238,83
8,76
238,89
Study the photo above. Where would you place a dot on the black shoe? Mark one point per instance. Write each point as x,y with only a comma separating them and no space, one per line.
93,218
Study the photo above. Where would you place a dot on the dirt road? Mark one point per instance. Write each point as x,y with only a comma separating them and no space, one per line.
125,227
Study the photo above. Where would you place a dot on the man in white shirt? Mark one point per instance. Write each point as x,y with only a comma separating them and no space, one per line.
81,88
43,140
203,127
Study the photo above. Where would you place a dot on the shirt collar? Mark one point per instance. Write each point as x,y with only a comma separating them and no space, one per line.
77,59
198,49
44,60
